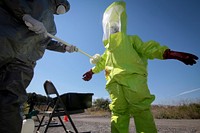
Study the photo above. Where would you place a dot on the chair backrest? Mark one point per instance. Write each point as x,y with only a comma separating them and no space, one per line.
50,89
57,103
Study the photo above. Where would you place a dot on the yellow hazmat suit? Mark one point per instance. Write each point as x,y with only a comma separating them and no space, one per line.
125,63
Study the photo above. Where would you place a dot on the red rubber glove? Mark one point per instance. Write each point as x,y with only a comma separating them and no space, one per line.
88,75
186,58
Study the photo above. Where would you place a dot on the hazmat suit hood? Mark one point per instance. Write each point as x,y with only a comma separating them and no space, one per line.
19,42
114,20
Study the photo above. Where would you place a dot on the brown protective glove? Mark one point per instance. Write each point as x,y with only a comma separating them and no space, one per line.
186,58
88,75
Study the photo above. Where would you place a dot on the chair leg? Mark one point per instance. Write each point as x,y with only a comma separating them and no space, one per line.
48,124
62,124
72,123
38,118
40,123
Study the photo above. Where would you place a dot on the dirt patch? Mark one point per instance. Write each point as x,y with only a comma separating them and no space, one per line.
98,124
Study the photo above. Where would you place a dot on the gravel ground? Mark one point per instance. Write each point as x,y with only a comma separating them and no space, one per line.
97,124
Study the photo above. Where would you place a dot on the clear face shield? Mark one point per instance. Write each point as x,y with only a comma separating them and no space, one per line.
112,21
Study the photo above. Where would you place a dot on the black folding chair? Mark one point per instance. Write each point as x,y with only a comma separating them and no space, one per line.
58,108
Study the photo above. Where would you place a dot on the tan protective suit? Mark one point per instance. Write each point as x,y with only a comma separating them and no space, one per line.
20,48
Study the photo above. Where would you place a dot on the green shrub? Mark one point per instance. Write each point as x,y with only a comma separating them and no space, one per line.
101,104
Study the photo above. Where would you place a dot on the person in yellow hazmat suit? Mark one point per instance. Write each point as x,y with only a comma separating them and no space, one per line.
125,65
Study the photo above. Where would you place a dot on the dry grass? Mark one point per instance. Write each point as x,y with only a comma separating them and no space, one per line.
99,112
182,111
185,111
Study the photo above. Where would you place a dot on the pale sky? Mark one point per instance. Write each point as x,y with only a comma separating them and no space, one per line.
175,23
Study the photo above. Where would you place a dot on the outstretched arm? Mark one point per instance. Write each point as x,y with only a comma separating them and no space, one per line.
59,47
88,75
186,58
100,66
